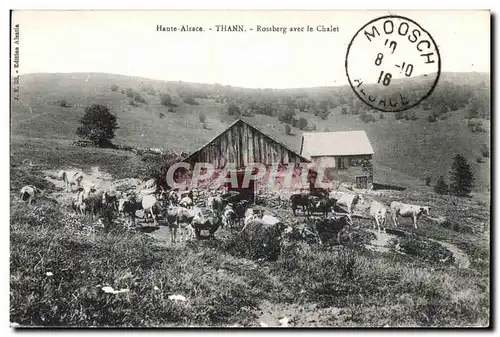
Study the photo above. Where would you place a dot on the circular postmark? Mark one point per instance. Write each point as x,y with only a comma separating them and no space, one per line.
392,63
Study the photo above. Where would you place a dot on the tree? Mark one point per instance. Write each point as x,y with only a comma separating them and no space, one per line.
461,177
98,125
302,123
165,99
428,181
233,110
286,115
202,117
441,186
288,129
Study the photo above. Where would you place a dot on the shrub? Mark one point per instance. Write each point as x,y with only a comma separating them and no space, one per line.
233,110
344,111
165,99
139,98
129,92
432,118
255,243
480,160
288,129
190,100
485,151
302,123
381,116
64,103
428,181
441,186
132,102
286,115
114,87
428,250
161,115
366,117
171,109
202,117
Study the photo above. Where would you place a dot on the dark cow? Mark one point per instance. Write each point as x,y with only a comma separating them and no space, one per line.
240,208
322,205
210,222
216,204
300,200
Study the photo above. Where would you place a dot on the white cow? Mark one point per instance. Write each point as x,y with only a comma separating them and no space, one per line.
348,200
186,202
70,178
150,205
185,218
229,217
28,193
407,211
77,203
379,212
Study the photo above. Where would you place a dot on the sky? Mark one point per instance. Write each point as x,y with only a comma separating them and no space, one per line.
126,42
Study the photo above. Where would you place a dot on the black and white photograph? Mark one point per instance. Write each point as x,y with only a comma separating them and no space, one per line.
250,169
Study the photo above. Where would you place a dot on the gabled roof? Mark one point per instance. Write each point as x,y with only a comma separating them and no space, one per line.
342,143
253,127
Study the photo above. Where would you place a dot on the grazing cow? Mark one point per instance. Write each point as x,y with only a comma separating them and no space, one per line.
78,205
188,194
210,222
407,211
240,208
186,202
173,198
110,199
92,197
71,178
300,200
323,205
129,205
334,225
171,216
348,200
150,205
185,218
216,204
379,212
28,193
229,217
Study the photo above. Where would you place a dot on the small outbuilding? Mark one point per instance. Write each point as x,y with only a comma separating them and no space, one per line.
347,155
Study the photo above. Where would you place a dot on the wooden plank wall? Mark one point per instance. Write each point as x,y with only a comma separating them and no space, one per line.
242,144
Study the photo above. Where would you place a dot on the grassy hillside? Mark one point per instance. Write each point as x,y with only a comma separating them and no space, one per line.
405,151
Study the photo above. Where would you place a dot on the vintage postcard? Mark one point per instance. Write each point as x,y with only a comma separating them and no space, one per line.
250,169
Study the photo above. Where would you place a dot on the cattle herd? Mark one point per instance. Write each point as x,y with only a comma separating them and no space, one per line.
195,213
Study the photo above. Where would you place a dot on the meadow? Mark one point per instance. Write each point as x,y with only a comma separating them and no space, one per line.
60,263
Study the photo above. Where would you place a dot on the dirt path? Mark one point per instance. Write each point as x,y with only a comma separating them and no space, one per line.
380,244
461,258
101,180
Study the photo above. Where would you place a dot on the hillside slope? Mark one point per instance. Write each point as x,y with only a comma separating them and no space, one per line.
404,150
